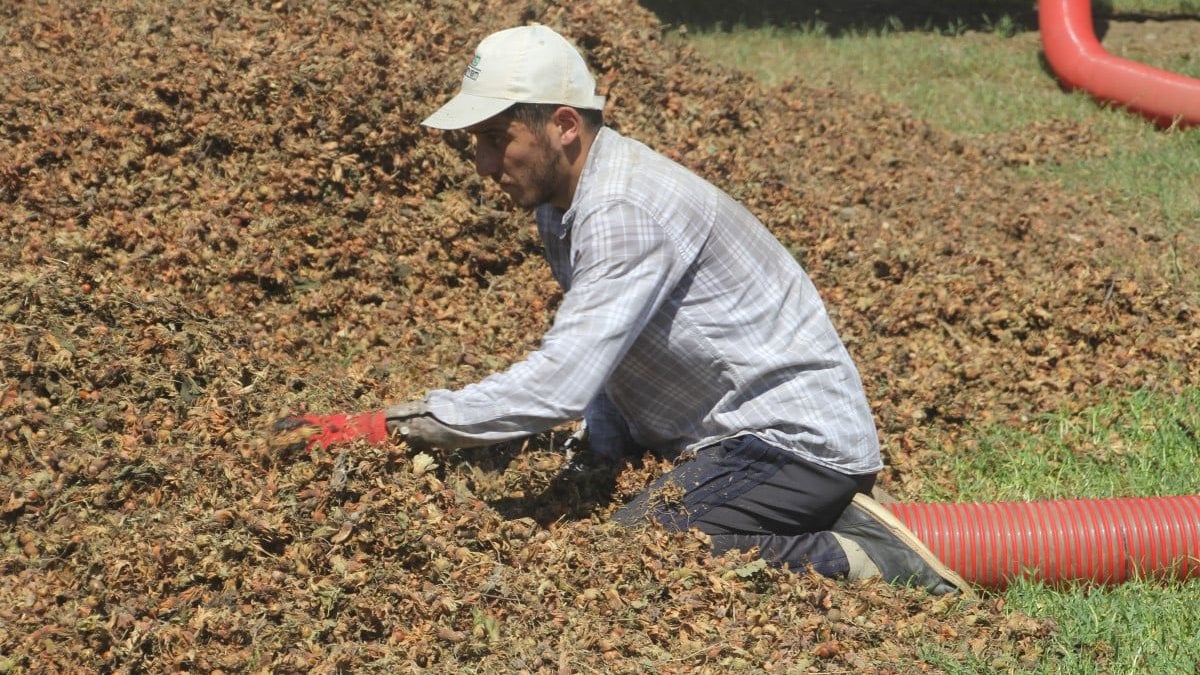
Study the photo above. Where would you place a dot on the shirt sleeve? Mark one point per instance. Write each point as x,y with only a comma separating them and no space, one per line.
623,269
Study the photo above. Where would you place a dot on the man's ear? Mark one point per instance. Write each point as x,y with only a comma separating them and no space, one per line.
568,124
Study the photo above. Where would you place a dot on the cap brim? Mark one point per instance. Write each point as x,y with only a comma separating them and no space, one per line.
465,110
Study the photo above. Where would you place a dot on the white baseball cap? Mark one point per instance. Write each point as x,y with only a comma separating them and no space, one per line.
528,64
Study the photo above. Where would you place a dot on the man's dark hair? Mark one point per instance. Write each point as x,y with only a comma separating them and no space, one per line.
536,115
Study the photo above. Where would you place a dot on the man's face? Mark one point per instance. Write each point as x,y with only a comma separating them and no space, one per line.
523,162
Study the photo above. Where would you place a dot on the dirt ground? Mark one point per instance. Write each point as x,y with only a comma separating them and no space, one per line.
215,214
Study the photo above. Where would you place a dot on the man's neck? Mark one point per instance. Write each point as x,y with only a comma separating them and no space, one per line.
576,160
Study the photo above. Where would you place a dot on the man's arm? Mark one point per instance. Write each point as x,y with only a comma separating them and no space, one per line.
625,268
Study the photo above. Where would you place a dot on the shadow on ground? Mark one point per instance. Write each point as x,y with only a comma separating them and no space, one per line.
848,16
857,16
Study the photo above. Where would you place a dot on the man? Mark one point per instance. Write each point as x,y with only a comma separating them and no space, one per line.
685,327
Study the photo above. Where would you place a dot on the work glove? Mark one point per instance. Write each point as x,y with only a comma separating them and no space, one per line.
421,429
607,433
412,421
575,442
309,431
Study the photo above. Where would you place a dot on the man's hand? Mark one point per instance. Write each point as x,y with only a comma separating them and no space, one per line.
421,429
308,431
412,421
575,442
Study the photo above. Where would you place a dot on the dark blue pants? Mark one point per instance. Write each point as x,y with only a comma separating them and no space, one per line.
745,493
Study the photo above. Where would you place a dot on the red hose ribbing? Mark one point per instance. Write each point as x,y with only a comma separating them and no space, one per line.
1079,61
1107,541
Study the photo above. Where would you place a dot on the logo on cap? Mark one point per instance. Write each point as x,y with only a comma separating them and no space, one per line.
473,69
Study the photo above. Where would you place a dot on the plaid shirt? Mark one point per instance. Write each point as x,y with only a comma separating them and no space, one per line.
683,322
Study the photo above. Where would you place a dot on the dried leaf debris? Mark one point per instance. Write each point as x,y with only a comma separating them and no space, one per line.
215,213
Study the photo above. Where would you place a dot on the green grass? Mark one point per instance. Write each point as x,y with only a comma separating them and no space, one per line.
1138,627
1132,628
1145,444
987,79
976,71
1141,445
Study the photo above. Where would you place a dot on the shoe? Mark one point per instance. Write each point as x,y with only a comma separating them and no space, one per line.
878,544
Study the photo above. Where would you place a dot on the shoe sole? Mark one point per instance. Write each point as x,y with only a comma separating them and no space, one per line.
901,532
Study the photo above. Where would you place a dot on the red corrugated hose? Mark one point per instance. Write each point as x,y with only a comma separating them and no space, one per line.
1076,57
1106,541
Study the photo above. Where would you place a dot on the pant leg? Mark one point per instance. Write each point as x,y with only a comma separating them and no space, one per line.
746,493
